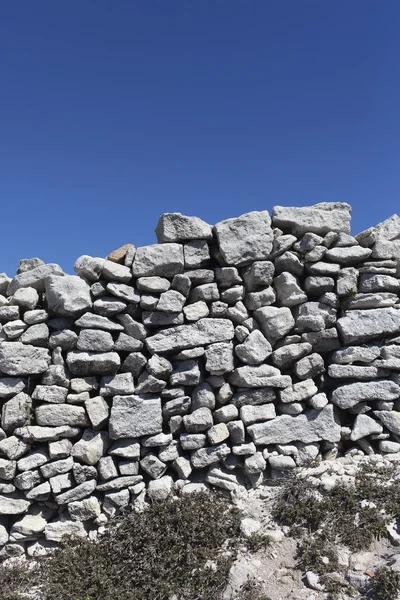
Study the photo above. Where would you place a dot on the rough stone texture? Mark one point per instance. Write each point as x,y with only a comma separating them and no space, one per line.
164,260
21,360
320,218
135,416
175,227
68,296
147,366
245,239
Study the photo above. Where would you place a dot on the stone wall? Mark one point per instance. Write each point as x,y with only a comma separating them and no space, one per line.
219,356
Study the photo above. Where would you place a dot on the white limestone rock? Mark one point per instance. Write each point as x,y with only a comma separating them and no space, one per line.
164,260
245,239
57,415
308,427
320,218
82,364
205,331
347,396
135,416
175,227
274,322
67,296
259,376
254,349
19,359
359,326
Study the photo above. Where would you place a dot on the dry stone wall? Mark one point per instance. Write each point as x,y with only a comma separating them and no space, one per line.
219,356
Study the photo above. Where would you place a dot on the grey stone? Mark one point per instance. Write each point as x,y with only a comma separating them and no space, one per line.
253,397
68,296
165,260
122,383
18,359
285,356
26,298
57,467
315,285
65,339
13,447
355,372
360,326
9,313
91,447
98,411
197,310
290,262
389,229
46,434
34,459
257,376
148,384
376,300
390,419
89,268
245,239
320,218
13,506
186,372
219,358
107,306
205,331
349,395
133,328
350,255
126,343
175,227
204,457
323,341
63,526
160,319
363,427
309,366
153,466
56,415
34,278
125,448
288,291
135,416
254,350
124,292
134,363
274,322
308,427
55,394
92,363
15,412
91,321
254,414
258,274
299,391
7,469
370,283
95,340
199,420
196,254
60,449
171,301
37,335
255,464
84,510
112,271
176,406
153,285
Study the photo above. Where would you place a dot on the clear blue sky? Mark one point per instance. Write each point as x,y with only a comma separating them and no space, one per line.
114,111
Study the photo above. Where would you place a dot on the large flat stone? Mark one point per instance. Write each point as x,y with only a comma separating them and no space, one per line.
203,332
68,296
34,278
81,364
164,260
134,416
320,218
56,415
347,396
244,239
360,326
259,376
312,426
175,227
22,360
13,506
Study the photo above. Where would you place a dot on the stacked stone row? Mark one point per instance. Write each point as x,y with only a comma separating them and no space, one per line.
220,355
